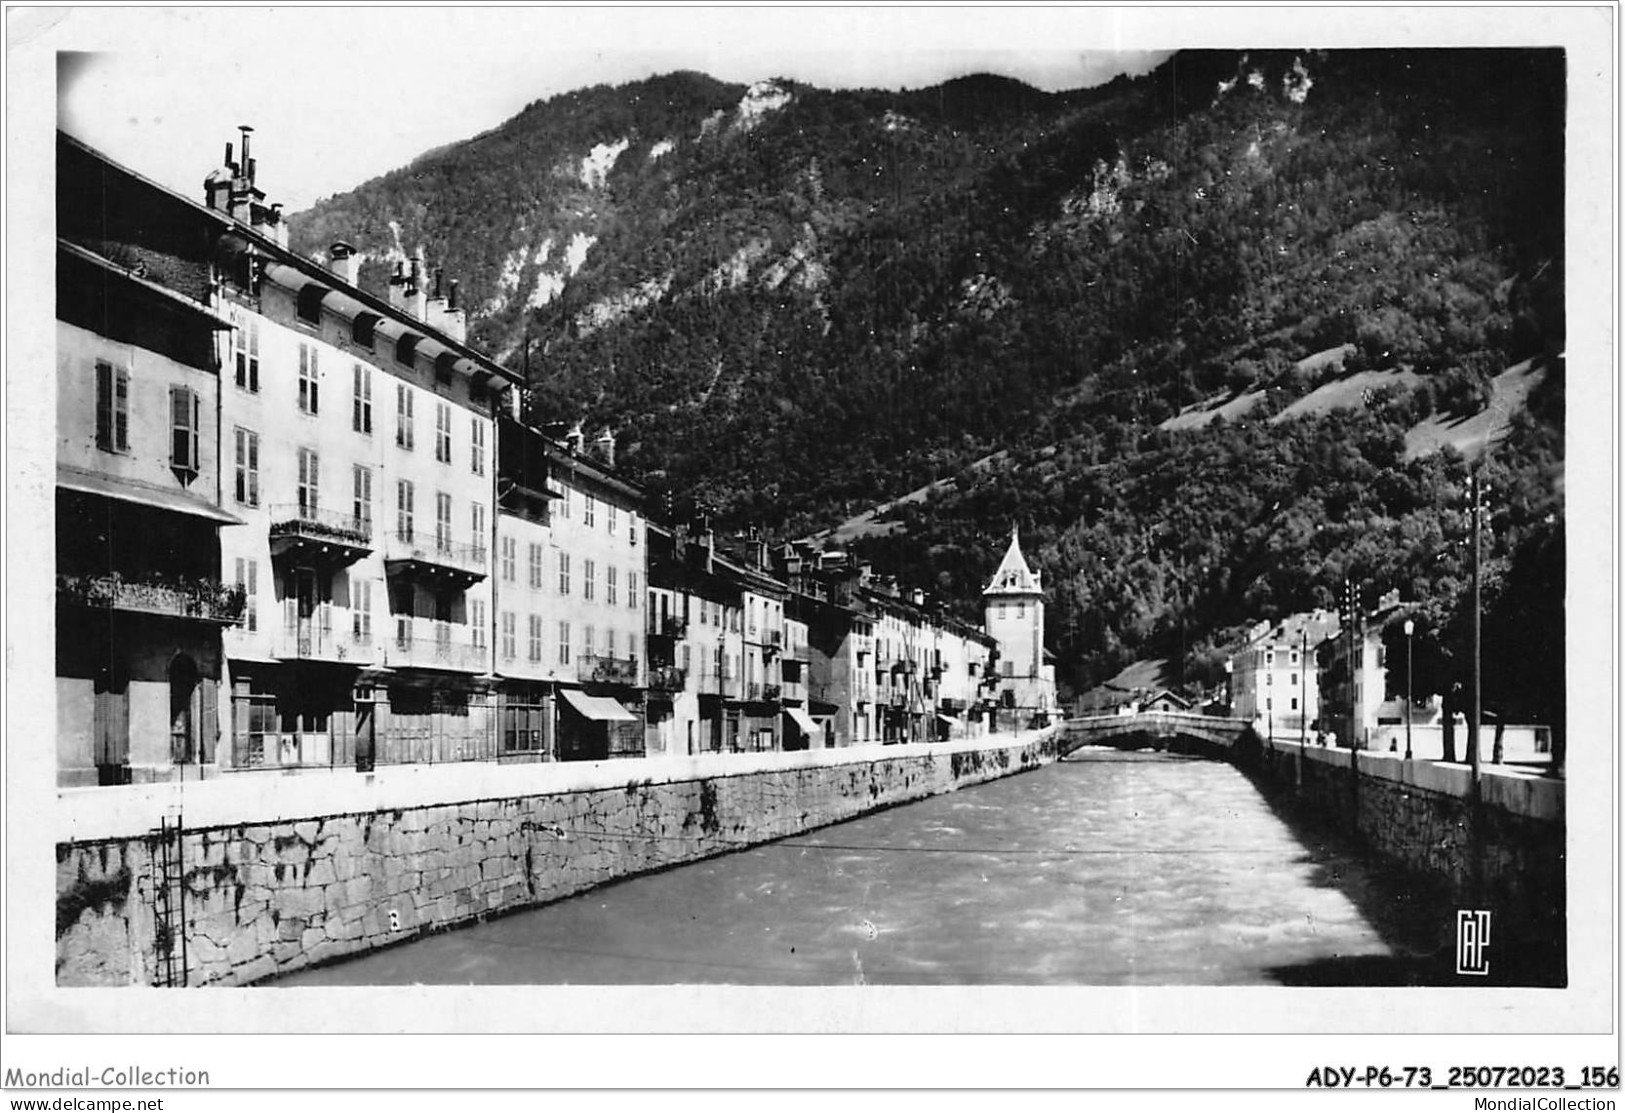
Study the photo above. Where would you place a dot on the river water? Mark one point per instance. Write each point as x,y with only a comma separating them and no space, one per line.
1109,868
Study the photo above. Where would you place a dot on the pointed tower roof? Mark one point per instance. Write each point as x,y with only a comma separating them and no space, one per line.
1013,576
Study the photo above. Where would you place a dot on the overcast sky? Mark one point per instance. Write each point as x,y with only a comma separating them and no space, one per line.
338,96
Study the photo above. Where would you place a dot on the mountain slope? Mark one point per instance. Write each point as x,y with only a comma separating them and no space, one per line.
791,303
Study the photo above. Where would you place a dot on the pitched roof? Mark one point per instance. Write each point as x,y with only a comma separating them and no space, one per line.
1013,576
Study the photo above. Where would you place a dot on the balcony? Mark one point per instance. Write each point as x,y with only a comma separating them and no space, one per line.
759,692
425,644
719,683
772,642
434,559
668,626
311,641
668,678
320,536
795,691
200,600
607,670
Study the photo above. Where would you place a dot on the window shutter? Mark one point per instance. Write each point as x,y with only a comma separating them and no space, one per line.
104,405
208,718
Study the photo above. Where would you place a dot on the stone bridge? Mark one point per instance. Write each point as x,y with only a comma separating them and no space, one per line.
1153,730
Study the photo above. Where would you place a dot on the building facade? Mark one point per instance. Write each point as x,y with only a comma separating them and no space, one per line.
1275,680
140,603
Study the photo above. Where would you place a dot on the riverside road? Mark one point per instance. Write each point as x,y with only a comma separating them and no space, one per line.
1109,868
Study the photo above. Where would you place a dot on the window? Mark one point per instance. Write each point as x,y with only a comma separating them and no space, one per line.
610,572
403,416
1269,658
589,516
508,626
112,408
535,637
1021,610
361,504
587,570
245,343
1294,660
248,580
564,503
361,608
442,432
309,375
361,403
614,516
1294,680
632,590
632,527
586,641
476,433
309,482
564,573
185,421
248,467
1294,703
476,622
609,642
442,520
510,549
405,496
564,643
477,525
536,566
1002,610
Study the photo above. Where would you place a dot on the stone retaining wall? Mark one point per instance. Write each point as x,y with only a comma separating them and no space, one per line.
1501,849
272,895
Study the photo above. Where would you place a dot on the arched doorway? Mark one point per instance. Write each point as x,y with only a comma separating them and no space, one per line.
183,710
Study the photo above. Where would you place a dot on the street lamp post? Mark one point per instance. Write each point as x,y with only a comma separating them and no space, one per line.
1410,628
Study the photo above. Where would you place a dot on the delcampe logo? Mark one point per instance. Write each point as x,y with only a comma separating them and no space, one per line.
1472,937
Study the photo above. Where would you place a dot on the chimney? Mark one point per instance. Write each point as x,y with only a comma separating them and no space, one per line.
417,293
279,225
344,261
575,440
397,286
918,597
606,448
456,320
435,306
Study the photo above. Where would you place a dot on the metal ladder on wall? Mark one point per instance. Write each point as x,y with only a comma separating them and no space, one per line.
169,905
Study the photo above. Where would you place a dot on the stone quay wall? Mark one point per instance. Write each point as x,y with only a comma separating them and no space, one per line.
1501,850
278,876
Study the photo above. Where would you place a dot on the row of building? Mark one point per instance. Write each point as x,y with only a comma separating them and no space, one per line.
303,526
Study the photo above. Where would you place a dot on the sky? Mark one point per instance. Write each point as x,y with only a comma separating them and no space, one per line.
340,95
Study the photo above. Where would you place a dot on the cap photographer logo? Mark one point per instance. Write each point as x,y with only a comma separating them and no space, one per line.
1472,937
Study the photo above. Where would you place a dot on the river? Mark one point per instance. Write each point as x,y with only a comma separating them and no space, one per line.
1109,868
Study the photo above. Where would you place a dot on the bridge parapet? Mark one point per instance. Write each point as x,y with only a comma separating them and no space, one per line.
1151,728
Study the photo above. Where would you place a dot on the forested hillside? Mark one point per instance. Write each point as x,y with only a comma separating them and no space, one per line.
792,303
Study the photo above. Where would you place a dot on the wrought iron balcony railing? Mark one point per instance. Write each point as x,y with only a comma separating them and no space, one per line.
311,641
204,600
434,555
424,644
668,678
299,527
608,670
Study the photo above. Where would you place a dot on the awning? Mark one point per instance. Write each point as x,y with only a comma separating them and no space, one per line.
128,490
601,708
804,721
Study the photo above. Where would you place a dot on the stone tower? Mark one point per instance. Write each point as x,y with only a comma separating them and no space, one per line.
1014,601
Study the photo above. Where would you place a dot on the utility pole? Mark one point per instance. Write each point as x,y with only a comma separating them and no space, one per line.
1475,709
